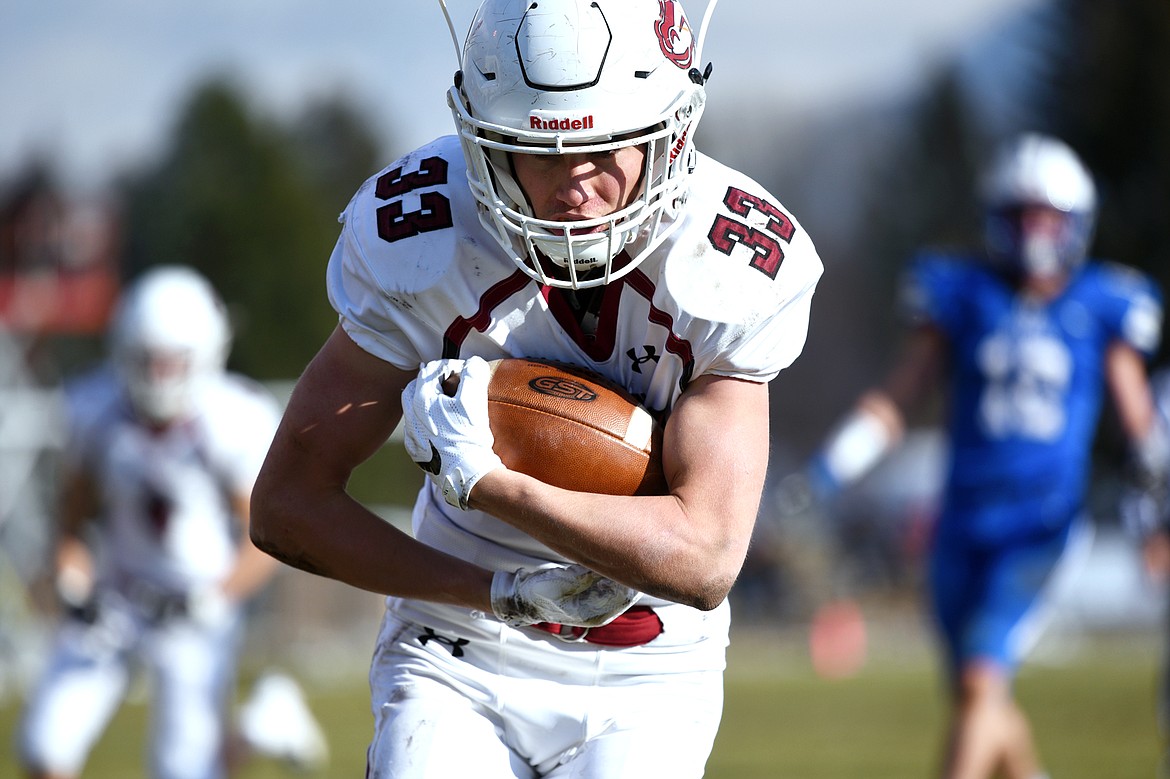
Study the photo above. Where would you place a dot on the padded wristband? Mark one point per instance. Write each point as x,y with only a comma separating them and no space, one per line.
566,595
858,443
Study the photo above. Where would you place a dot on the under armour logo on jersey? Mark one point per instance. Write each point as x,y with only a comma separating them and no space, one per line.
434,464
651,355
454,644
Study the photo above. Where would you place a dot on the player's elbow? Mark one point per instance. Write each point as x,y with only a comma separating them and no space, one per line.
268,526
694,572
701,586
260,528
260,532
711,592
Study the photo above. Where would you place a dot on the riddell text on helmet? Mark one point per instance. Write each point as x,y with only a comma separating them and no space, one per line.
582,123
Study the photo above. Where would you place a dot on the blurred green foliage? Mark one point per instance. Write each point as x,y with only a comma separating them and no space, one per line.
253,204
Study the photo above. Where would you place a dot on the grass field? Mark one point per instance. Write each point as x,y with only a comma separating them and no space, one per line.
1093,714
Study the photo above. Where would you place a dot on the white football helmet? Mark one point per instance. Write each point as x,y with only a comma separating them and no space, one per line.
170,332
1038,170
580,77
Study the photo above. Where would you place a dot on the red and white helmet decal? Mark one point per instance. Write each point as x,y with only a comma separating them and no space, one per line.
674,34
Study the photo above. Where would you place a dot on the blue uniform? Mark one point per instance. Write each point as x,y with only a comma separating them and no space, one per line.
1026,383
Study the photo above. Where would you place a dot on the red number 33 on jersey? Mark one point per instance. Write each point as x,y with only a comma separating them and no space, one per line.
767,253
434,212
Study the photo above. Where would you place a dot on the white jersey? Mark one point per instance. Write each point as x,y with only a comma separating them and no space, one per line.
165,495
415,277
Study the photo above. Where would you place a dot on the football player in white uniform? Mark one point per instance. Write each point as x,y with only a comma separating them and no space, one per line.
153,558
533,631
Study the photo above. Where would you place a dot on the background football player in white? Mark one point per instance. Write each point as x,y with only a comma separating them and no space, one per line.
152,557
570,218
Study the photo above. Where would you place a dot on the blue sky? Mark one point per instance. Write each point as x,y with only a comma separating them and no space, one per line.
95,83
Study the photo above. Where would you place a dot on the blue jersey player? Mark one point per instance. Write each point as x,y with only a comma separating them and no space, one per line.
1025,338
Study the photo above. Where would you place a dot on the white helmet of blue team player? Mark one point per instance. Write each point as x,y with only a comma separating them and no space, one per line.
581,77
1037,170
169,334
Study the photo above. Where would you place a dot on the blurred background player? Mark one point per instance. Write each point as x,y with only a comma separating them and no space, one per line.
593,233
152,560
1145,513
1024,338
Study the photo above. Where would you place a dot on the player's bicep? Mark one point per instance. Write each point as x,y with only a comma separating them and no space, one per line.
715,450
344,407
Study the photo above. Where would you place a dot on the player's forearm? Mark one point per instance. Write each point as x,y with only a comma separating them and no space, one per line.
73,570
1125,374
858,443
647,542
335,537
252,571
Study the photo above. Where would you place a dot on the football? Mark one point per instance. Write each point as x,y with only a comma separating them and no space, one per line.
574,429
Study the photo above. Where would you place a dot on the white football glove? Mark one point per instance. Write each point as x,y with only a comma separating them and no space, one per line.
448,436
572,595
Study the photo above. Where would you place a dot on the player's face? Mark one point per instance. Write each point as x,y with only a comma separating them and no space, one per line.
159,384
573,187
1041,220
1042,231
159,367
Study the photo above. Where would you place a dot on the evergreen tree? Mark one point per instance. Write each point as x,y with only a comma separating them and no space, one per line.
253,205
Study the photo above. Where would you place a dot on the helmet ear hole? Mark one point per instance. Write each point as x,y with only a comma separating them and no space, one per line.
503,173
